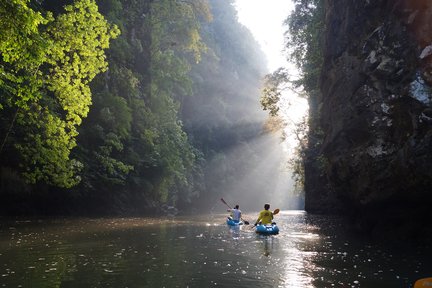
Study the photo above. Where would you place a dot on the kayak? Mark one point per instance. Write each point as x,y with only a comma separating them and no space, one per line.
232,222
269,229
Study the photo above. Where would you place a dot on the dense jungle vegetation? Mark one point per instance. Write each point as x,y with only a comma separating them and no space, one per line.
118,106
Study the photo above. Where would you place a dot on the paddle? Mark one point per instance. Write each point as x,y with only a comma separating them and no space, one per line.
424,282
244,221
223,201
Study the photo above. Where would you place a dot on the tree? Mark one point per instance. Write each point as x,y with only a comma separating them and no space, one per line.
134,139
47,64
303,44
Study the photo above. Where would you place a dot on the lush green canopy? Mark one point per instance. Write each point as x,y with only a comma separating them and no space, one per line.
124,103
46,67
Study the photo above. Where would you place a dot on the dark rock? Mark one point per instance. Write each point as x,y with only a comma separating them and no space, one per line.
376,152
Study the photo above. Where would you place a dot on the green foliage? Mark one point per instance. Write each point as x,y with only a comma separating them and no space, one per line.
22,52
78,37
128,134
272,90
305,29
48,154
138,102
46,66
297,161
175,26
304,43
175,46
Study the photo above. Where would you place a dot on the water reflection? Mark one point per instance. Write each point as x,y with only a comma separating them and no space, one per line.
268,245
235,231
298,260
310,251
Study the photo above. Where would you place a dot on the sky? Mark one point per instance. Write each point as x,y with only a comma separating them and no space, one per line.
264,18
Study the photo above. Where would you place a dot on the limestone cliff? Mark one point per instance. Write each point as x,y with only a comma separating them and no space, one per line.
375,114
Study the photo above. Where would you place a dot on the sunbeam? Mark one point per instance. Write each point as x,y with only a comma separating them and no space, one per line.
266,179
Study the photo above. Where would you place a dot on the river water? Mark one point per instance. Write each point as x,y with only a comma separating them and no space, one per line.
310,251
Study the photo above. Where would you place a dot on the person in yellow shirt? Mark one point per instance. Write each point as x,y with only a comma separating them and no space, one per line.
265,216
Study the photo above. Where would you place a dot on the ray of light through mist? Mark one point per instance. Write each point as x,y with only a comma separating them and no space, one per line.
268,180
265,179
254,172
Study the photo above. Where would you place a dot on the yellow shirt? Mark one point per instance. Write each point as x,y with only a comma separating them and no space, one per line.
265,216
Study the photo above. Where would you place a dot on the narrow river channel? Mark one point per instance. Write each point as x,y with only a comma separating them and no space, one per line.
310,251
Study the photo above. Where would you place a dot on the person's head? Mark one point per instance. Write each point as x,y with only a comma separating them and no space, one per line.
266,206
236,207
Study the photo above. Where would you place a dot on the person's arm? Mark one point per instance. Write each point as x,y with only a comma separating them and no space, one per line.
259,218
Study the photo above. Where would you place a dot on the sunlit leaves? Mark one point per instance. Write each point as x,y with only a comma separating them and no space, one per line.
275,84
46,66
80,37
22,51
19,41
48,155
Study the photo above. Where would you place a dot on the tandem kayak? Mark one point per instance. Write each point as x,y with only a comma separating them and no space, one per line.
269,229
232,222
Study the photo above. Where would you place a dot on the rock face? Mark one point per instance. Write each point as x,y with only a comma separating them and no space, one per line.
375,112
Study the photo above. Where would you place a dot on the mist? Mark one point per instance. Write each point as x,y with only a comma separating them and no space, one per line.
265,179
224,118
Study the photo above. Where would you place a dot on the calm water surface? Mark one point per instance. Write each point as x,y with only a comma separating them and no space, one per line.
310,251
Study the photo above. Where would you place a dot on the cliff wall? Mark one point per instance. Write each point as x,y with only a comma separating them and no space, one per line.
375,113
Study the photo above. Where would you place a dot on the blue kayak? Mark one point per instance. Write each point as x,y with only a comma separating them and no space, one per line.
232,222
269,229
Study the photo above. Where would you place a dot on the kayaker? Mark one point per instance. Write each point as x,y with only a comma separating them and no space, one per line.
235,213
265,216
